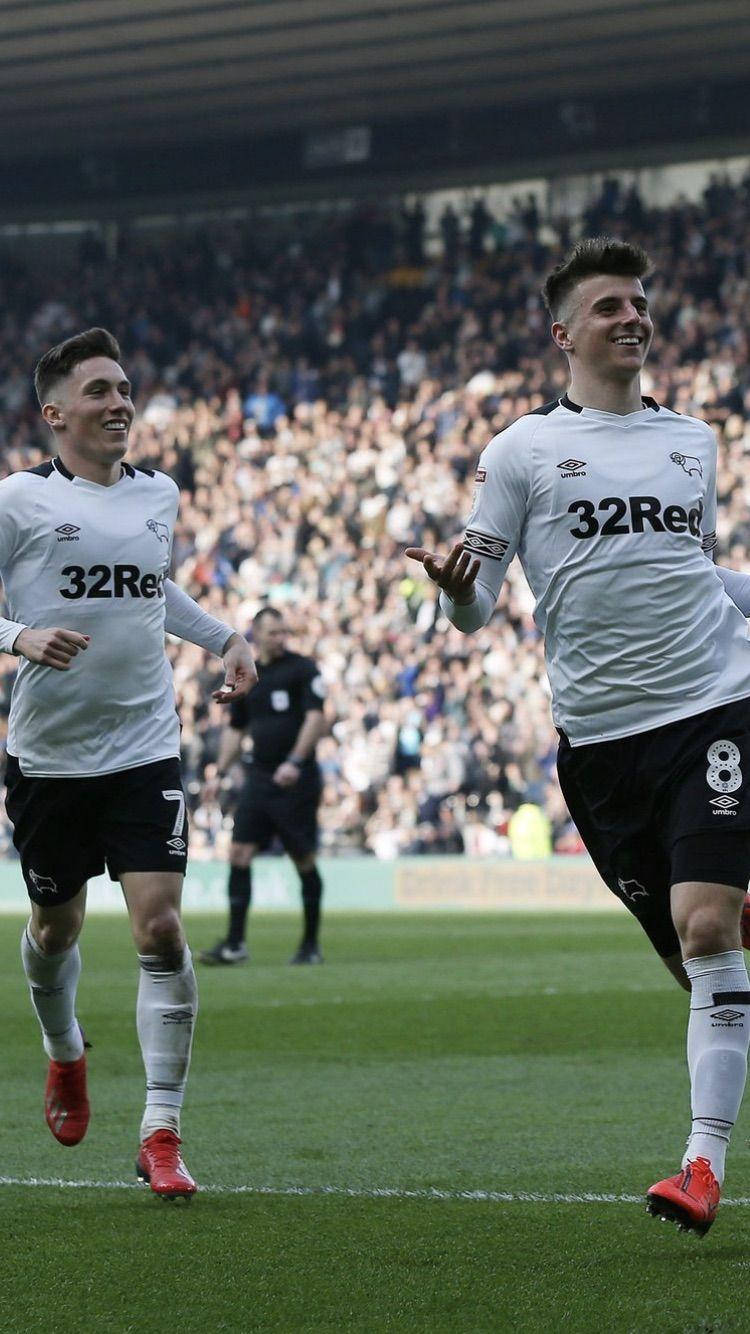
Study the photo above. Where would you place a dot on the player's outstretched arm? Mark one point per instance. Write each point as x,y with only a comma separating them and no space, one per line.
240,673
51,647
455,573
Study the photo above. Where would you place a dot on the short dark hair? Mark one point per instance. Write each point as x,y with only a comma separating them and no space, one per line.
61,359
266,611
592,255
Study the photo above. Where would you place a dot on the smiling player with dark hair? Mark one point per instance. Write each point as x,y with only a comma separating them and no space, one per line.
93,776
609,500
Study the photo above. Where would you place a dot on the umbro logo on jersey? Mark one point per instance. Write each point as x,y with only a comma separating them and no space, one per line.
692,466
159,530
724,805
572,468
68,533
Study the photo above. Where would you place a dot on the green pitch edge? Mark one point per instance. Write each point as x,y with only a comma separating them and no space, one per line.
367,884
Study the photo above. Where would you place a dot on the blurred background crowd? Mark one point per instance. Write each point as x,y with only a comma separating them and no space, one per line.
321,395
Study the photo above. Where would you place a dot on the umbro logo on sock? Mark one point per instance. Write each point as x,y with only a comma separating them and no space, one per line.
728,1018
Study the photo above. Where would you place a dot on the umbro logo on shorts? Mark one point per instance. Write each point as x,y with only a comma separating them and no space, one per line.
176,845
724,805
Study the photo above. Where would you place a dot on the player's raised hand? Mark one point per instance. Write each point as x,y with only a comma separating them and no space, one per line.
240,674
455,573
52,647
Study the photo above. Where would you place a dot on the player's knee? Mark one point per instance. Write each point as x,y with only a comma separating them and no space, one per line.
160,933
708,931
56,937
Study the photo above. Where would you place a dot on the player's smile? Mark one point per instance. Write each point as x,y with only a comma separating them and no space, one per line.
117,424
631,345
117,428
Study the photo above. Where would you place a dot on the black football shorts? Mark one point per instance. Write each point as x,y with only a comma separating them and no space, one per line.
68,829
663,807
265,810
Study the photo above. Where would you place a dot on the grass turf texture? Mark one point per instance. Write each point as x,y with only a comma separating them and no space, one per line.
444,1052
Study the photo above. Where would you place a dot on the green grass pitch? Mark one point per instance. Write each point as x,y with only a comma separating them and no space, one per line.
411,1125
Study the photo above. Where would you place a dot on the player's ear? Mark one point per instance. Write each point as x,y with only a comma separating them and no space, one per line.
561,336
54,416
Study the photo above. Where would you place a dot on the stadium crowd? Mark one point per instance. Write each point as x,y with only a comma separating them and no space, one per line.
321,398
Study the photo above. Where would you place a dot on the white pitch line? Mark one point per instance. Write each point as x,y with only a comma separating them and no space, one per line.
364,1193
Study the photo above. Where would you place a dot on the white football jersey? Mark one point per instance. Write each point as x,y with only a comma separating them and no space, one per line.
93,559
611,516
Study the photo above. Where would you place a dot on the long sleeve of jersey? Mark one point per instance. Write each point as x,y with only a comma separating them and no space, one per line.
495,525
189,621
471,616
9,632
9,540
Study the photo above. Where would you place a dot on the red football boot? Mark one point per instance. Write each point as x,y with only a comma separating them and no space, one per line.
66,1104
161,1167
690,1199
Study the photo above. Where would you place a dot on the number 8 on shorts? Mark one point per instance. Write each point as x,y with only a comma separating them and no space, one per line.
724,773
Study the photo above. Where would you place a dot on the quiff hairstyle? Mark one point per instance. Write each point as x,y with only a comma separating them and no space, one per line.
61,359
593,255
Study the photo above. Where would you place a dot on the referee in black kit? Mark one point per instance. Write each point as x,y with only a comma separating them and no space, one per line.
284,716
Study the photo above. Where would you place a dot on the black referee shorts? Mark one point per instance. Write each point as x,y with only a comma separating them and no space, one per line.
67,829
663,807
265,810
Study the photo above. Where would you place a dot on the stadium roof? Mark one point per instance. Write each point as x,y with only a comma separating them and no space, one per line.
80,74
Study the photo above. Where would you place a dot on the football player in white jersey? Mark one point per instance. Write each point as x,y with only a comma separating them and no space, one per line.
93,775
609,500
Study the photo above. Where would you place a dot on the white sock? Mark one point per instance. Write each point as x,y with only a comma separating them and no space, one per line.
717,1042
53,981
165,1015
